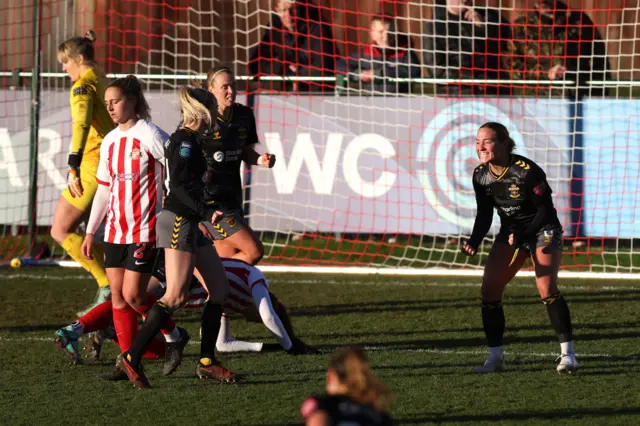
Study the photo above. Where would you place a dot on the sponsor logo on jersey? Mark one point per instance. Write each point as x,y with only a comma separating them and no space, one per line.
122,177
242,133
514,191
219,156
231,221
510,210
135,154
548,236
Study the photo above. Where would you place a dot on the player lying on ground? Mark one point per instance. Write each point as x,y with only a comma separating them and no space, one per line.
249,297
529,227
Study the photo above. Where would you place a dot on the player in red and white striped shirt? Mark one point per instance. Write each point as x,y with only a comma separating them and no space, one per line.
130,195
249,297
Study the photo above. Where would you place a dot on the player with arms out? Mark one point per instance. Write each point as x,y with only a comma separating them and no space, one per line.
182,231
354,395
91,122
529,227
230,141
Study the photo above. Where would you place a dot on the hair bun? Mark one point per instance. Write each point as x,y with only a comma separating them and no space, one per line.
90,35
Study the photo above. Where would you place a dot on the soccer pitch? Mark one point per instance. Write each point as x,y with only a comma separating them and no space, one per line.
424,338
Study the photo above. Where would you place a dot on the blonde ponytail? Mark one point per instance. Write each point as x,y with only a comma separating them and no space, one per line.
194,105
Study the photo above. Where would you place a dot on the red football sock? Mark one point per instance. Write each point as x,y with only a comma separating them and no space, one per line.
155,349
168,326
98,318
126,324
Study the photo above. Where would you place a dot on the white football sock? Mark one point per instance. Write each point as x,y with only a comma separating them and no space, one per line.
567,348
226,343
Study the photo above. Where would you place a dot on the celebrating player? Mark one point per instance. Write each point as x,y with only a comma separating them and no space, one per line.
249,297
231,141
130,194
529,227
91,122
354,395
184,239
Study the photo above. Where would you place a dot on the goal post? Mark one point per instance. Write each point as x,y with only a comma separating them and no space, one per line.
375,174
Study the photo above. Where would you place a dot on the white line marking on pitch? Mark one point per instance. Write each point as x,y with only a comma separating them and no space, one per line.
461,284
392,349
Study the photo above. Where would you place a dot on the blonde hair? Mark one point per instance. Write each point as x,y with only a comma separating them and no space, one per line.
131,88
216,71
76,46
193,105
353,370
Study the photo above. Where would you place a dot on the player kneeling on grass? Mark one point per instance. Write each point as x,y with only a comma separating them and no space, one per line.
518,188
354,395
249,297
129,192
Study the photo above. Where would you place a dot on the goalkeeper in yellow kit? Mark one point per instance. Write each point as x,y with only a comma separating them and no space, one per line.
91,122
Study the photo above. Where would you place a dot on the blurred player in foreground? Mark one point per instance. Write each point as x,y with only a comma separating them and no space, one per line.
354,395
529,227
91,122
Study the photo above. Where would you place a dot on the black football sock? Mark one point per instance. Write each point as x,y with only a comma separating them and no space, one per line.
210,327
493,322
156,316
559,316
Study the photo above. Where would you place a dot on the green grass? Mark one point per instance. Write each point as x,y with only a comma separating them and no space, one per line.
424,338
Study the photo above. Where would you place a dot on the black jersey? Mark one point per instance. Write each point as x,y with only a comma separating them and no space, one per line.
521,195
343,410
185,175
223,146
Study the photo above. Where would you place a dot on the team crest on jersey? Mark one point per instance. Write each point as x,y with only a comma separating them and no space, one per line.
514,191
218,156
242,133
216,135
231,222
185,149
135,154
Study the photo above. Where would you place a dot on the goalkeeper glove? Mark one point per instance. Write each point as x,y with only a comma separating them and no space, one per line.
73,175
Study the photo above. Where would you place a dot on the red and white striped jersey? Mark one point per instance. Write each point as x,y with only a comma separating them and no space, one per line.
242,278
131,165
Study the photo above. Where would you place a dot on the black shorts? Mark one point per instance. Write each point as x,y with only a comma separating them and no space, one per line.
136,257
547,236
179,233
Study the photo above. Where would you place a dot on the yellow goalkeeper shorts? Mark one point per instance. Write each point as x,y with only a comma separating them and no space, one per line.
88,170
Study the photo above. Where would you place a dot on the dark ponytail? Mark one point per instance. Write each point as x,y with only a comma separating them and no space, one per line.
131,88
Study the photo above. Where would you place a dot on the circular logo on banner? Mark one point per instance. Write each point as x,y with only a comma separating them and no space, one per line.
218,156
448,156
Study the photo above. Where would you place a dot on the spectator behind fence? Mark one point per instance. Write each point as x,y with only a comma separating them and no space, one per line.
554,42
388,55
299,42
465,42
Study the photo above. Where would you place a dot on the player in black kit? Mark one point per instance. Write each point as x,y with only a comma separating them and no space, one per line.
182,232
354,395
529,227
230,141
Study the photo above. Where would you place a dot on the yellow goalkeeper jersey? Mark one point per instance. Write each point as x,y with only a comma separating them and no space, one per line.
91,121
